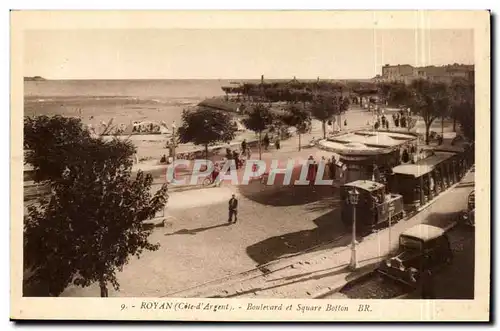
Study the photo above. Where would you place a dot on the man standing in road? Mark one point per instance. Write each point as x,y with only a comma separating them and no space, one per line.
233,209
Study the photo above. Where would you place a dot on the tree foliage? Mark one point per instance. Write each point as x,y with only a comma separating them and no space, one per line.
430,100
297,117
205,126
258,119
92,222
325,106
463,106
50,142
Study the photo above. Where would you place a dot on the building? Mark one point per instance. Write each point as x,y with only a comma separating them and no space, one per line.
407,73
397,72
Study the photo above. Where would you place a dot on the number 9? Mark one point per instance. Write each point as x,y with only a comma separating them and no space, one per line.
123,306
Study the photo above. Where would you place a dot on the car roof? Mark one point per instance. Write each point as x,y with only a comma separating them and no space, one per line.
424,232
365,185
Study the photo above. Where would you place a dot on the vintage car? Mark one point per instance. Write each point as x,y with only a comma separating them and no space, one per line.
423,247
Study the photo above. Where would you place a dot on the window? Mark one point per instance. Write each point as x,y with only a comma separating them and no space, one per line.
411,243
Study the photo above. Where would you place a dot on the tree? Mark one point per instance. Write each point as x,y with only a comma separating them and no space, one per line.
462,100
206,126
48,141
93,220
299,118
463,107
324,107
430,100
259,119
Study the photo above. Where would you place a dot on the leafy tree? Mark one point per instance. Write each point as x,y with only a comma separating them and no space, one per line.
463,107
206,126
324,107
299,118
430,100
259,119
93,220
48,141
462,101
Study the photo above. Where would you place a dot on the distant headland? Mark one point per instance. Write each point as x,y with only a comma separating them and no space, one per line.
34,78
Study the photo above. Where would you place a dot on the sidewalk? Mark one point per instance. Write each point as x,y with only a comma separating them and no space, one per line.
323,270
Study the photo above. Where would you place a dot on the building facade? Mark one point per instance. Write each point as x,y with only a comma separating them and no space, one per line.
407,73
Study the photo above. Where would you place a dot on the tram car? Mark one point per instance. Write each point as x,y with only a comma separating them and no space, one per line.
374,206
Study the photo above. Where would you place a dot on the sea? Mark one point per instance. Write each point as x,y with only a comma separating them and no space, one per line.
122,101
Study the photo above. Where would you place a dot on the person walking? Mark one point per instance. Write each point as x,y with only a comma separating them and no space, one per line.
243,146
266,141
236,159
277,143
333,168
233,209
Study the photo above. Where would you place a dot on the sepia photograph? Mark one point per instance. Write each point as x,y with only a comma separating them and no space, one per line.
263,166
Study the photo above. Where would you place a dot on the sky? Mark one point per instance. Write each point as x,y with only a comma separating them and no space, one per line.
241,54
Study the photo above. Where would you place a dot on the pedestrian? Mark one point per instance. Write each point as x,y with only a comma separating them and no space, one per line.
328,169
243,146
310,168
236,159
333,168
266,141
233,209
277,143
249,153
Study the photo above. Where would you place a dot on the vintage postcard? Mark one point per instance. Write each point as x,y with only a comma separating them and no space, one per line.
250,165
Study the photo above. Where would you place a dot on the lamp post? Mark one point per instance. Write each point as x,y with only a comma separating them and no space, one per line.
353,200
173,140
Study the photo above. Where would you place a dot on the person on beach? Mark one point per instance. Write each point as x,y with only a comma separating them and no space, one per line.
233,209
277,143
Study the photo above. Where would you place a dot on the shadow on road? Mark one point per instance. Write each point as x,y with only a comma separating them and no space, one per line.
279,194
329,227
197,230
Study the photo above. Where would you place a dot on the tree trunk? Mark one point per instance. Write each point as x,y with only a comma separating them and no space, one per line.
427,129
104,289
442,127
299,141
206,151
324,129
454,124
260,143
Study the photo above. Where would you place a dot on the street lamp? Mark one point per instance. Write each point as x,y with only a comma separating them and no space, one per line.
173,140
353,200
